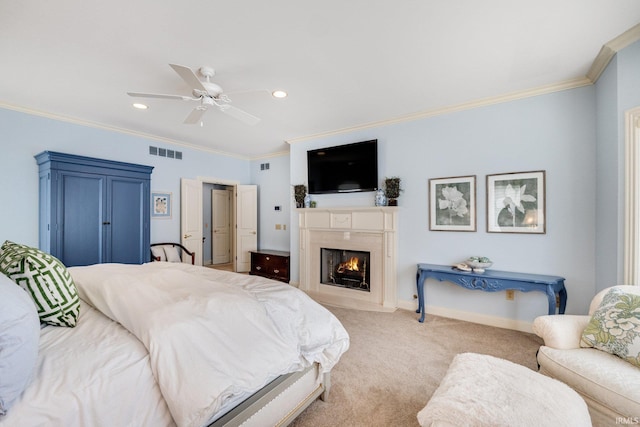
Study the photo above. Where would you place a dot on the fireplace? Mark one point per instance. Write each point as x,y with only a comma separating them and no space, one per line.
348,256
345,268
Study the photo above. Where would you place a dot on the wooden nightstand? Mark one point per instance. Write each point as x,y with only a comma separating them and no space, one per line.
271,264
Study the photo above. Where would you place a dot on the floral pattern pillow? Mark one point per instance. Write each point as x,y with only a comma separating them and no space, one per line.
615,326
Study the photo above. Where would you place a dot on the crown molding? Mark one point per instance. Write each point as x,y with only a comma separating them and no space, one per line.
556,87
610,49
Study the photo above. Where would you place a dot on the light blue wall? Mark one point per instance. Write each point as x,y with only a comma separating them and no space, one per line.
554,132
609,203
617,90
628,72
24,135
273,190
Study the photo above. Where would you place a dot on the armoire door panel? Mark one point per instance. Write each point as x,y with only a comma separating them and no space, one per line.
79,218
126,225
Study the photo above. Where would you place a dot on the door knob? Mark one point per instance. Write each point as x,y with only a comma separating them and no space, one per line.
186,236
253,232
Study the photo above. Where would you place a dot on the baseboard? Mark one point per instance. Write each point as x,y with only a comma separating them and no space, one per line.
468,316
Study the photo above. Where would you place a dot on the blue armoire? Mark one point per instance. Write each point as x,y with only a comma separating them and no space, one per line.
93,210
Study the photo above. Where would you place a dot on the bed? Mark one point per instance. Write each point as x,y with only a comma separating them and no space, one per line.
166,344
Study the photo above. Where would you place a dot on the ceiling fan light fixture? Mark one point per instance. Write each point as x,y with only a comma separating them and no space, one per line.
140,106
208,93
279,94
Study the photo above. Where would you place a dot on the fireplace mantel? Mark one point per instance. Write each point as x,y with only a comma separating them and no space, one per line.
373,229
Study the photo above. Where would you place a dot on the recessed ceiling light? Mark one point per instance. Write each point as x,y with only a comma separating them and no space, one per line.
140,106
279,94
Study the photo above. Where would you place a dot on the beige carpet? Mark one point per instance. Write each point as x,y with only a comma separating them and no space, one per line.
395,364
224,267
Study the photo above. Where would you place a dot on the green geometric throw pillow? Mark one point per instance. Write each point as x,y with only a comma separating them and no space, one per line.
46,280
615,326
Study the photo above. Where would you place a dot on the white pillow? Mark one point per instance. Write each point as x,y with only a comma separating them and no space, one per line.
172,253
19,338
158,252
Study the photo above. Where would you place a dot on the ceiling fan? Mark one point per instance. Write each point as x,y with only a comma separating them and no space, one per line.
206,92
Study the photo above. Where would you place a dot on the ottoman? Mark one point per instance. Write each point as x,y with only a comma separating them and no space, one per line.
481,390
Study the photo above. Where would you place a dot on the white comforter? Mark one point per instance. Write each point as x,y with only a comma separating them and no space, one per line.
212,336
96,374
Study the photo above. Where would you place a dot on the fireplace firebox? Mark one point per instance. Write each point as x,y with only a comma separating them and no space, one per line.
345,268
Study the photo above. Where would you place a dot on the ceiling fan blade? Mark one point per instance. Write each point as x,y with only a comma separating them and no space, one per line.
237,113
189,77
159,95
195,116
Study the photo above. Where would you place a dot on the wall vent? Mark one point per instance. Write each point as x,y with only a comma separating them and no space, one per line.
264,166
163,152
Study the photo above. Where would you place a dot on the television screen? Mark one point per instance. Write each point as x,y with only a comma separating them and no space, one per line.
344,168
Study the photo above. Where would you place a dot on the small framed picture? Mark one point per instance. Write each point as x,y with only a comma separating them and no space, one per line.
516,202
161,205
452,203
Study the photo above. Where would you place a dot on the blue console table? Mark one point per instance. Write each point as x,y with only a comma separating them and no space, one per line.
493,281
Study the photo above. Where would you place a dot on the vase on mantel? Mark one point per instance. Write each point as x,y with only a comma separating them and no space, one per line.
381,199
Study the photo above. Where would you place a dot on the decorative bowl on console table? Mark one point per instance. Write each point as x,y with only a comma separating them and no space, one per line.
479,264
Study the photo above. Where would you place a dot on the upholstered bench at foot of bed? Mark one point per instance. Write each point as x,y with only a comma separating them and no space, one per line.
483,390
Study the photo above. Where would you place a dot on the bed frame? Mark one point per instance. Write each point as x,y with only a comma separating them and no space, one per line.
279,402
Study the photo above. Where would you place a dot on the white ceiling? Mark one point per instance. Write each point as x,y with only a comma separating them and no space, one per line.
344,63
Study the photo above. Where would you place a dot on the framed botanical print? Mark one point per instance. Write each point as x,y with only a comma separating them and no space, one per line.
516,202
452,203
161,205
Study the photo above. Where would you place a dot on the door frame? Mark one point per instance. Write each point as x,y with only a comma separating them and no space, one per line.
229,195
229,183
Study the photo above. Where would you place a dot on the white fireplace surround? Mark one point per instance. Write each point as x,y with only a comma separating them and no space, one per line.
369,229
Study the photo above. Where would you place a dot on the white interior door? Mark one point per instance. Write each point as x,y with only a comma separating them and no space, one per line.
220,226
246,225
191,216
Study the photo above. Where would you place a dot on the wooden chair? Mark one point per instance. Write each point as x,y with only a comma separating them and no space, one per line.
178,245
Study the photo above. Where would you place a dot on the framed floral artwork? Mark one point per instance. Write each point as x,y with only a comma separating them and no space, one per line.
452,203
516,202
161,205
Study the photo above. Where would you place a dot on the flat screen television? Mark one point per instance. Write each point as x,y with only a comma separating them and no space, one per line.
344,168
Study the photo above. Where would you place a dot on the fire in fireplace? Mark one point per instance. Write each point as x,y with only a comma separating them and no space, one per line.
345,268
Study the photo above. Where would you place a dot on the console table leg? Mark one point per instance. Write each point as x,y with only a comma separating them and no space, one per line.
420,289
551,295
563,299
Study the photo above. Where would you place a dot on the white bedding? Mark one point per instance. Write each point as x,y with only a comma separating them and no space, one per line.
70,373
213,337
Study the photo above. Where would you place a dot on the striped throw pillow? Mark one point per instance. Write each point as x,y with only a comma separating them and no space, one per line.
46,280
